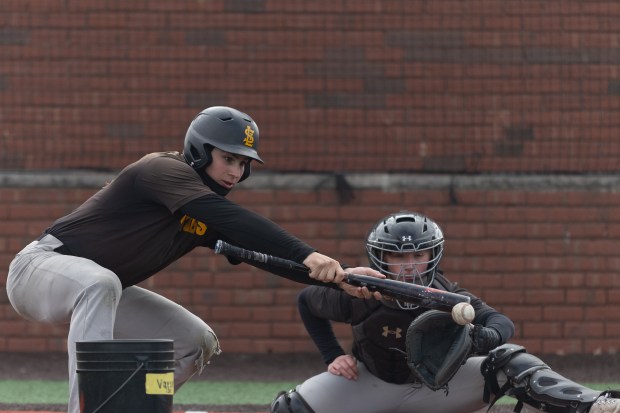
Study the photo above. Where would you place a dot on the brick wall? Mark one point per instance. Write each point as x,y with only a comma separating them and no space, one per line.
423,87
541,249
435,86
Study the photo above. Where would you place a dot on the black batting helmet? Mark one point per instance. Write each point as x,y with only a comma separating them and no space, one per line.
224,128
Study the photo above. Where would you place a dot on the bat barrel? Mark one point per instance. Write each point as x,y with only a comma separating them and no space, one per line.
426,297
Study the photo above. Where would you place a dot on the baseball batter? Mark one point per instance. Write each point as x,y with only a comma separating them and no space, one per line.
84,268
378,376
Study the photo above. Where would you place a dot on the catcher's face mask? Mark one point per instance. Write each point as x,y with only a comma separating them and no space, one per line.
407,266
414,241
415,267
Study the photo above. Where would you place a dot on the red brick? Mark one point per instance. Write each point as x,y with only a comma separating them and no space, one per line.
26,344
547,258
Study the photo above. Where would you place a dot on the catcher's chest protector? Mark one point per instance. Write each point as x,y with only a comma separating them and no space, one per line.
380,343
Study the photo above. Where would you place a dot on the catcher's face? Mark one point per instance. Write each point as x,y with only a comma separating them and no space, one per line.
408,266
226,168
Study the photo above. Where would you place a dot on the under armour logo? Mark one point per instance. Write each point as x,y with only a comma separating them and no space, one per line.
387,332
406,238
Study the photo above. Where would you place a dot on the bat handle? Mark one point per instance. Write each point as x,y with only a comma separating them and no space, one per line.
357,280
225,248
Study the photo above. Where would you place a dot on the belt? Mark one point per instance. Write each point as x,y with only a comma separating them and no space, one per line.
63,249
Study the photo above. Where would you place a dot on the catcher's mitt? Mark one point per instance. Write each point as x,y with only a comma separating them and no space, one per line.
437,347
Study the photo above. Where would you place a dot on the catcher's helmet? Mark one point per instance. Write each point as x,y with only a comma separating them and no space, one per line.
224,128
404,232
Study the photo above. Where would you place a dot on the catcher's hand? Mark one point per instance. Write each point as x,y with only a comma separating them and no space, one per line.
345,366
361,292
437,347
484,339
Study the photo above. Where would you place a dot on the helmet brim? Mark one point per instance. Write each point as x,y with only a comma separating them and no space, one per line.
249,152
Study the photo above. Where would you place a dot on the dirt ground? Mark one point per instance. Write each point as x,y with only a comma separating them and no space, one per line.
279,367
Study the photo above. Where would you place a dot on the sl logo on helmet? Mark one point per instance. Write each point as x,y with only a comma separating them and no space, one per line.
249,137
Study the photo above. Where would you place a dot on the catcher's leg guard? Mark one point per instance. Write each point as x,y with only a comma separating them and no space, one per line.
532,382
289,402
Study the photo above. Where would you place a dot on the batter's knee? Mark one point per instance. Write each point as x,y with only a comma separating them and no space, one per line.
290,402
193,352
209,347
106,284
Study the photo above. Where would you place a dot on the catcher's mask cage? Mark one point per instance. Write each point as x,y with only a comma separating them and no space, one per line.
405,233
224,128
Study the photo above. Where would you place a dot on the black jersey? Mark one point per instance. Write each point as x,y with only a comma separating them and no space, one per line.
156,211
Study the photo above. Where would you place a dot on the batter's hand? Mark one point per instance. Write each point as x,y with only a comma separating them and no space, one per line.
361,292
324,268
345,366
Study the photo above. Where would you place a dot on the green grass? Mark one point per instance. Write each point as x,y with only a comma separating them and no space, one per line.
198,392
33,391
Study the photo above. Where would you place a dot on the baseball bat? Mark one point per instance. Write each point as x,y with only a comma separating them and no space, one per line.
426,297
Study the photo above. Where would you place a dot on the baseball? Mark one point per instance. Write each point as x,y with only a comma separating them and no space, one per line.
463,313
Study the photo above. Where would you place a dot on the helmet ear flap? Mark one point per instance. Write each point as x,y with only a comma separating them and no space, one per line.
247,170
208,154
196,158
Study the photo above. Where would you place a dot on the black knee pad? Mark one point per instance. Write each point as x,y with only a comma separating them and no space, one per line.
289,402
494,362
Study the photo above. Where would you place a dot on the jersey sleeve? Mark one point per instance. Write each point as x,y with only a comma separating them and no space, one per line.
485,314
317,306
245,228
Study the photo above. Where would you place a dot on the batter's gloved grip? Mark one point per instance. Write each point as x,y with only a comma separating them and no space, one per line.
436,348
484,339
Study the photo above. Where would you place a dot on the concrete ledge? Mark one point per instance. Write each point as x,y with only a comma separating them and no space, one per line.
312,181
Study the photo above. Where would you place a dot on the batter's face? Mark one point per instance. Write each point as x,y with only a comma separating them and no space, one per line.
226,168
407,264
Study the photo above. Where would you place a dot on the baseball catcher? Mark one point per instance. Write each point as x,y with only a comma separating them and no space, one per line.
406,358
